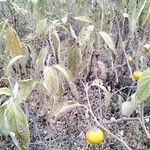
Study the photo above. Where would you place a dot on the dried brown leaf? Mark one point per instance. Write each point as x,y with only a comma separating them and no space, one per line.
12,41
61,108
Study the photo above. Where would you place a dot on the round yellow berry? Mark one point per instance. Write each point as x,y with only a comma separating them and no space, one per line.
137,75
147,47
94,136
130,59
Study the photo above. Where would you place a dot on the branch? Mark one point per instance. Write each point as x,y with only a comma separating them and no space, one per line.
124,119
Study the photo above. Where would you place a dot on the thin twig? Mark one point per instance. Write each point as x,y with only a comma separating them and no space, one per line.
124,119
124,50
123,89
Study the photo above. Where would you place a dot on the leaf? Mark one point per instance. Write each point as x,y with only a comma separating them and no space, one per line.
34,5
16,7
64,71
40,62
84,34
5,91
107,93
108,40
24,61
56,44
13,60
12,41
25,87
61,108
132,15
17,126
1,26
68,76
135,10
144,15
65,19
34,1
73,34
74,58
143,86
33,54
2,122
129,106
15,90
40,27
84,19
86,58
51,82
107,96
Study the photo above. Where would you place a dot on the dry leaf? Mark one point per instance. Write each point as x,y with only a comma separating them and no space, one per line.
12,41
61,108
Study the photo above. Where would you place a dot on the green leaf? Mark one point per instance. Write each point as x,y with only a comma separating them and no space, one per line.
135,10
5,91
73,34
33,53
13,60
65,19
2,121
108,40
87,52
17,126
40,28
34,1
84,19
74,58
56,44
132,15
144,15
143,86
35,5
16,7
1,26
66,73
24,61
129,106
51,82
25,87
41,59
15,90
84,35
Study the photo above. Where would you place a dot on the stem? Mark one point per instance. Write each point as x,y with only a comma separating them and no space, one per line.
124,119
124,49
53,49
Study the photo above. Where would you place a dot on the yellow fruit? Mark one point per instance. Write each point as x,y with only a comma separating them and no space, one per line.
94,136
147,47
130,59
137,75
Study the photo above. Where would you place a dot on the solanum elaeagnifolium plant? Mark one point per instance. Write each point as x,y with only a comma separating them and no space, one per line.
13,119
141,94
